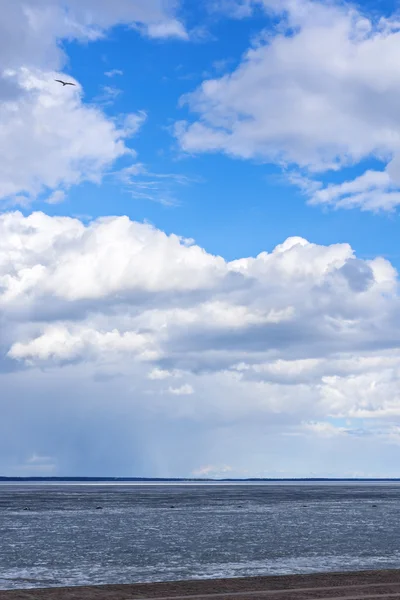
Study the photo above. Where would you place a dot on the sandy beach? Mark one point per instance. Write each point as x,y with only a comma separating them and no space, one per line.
371,585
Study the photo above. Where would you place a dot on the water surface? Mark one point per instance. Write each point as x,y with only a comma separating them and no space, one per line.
65,534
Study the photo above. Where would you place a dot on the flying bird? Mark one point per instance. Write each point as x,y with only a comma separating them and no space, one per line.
64,83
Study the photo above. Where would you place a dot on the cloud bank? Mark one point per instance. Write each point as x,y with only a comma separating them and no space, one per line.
117,318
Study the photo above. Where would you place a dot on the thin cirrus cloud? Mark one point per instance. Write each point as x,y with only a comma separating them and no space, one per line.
318,111
143,184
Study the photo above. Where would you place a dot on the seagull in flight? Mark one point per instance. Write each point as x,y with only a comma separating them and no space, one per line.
64,83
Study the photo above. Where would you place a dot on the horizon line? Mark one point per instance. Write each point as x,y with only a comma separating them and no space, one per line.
190,479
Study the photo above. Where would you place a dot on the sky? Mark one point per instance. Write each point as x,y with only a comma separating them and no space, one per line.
199,247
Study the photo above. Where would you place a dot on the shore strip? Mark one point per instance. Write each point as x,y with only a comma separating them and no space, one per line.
363,585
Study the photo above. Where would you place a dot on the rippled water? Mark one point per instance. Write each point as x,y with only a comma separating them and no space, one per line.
54,535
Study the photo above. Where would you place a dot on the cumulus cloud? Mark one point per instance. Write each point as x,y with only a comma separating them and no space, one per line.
286,103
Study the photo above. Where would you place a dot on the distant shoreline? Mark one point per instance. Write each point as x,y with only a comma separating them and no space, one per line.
191,480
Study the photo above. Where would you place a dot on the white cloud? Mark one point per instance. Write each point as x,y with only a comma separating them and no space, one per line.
111,257
166,29
60,343
289,104
114,259
373,191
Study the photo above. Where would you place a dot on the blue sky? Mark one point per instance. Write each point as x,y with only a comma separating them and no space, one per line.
229,206
199,240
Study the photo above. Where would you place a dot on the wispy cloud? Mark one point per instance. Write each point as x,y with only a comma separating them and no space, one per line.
108,95
56,197
113,73
147,185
